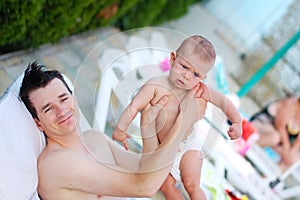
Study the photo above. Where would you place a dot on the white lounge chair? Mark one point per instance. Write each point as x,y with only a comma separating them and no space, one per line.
20,145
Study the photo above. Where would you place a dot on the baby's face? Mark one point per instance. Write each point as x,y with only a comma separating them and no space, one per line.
186,73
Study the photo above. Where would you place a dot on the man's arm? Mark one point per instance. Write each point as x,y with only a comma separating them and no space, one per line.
191,110
148,131
83,173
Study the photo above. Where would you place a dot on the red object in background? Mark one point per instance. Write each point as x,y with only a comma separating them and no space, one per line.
231,195
249,135
248,130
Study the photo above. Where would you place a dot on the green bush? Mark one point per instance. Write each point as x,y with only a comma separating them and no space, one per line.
53,22
30,23
16,17
174,9
142,14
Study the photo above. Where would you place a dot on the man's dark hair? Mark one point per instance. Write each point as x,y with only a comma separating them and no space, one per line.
35,77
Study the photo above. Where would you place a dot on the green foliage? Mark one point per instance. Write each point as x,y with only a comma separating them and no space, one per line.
87,16
16,16
141,14
53,22
173,10
30,23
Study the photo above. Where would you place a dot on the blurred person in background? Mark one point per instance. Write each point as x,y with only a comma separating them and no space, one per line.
278,124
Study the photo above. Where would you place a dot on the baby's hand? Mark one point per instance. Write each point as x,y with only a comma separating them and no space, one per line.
235,130
120,136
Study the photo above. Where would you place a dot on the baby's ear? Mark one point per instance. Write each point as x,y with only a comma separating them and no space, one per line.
172,57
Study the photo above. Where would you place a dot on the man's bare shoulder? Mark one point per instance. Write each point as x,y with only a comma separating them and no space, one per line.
91,140
50,156
59,169
56,166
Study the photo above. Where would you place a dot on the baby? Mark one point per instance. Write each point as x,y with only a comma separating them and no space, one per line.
189,66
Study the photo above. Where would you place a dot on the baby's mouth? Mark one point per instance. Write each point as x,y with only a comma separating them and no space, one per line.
181,82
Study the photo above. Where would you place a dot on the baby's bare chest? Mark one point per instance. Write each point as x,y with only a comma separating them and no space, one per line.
167,116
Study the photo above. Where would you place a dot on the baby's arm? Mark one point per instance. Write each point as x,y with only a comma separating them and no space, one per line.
142,98
228,108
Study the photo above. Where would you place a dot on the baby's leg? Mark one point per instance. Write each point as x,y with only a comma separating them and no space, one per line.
169,189
190,168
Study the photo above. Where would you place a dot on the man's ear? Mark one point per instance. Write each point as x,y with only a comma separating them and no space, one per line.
38,124
172,57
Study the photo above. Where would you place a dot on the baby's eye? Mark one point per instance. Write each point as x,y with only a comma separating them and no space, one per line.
196,74
185,67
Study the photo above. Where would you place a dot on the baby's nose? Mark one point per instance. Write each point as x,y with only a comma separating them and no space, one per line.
186,75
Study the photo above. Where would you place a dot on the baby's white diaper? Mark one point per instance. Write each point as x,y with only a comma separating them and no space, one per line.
192,142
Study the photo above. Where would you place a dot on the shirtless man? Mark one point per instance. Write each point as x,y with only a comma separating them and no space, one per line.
70,167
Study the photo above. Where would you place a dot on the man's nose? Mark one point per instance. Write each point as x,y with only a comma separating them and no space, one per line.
60,110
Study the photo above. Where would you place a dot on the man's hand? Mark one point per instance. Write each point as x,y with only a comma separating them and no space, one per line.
199,89
150,112
121,136
192,108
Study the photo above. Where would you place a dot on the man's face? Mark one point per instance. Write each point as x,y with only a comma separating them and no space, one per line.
56,109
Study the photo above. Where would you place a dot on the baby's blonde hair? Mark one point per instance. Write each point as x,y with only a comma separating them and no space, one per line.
198,46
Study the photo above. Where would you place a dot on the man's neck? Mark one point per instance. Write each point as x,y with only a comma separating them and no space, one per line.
72,141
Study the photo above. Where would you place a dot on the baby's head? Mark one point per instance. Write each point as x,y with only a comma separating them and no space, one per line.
199,52
191,62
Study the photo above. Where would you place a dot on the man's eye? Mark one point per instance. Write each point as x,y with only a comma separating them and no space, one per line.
66,98
47,110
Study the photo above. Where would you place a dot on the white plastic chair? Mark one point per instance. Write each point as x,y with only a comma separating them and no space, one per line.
139,52
159,47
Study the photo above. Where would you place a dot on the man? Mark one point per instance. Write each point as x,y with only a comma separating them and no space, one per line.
77,165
